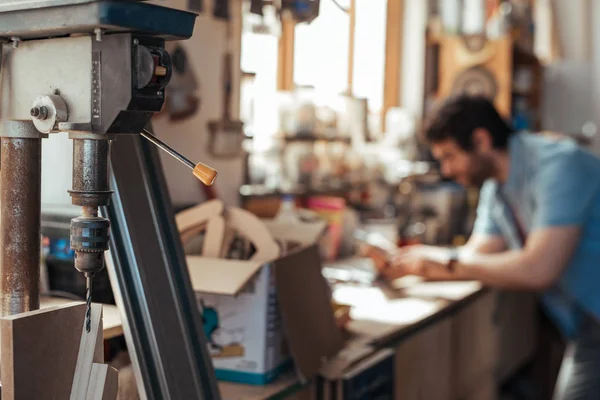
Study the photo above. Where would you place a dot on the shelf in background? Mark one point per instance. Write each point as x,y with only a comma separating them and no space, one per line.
311,138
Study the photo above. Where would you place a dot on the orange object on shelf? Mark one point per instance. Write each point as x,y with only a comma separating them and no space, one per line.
331,209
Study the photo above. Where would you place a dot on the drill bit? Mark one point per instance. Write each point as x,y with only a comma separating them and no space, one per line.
88,301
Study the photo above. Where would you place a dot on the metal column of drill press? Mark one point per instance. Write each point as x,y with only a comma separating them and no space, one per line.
20,231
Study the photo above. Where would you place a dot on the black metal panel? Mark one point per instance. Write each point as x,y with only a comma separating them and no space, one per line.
42,19
163,326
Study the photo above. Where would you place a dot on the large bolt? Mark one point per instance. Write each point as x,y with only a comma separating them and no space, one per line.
98,32
40,113
15,41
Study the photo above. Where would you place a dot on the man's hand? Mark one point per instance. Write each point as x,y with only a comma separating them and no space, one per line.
426,261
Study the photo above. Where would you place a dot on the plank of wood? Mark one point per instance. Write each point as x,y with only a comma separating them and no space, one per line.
382,314
252,228
90,351
495,57
393,56
112,325
285,60
228,237
39,352
104,383
191,232
517,331
197,215
485,388
475,343
213,239
424,364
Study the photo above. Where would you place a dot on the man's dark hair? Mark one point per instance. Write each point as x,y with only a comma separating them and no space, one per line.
458,118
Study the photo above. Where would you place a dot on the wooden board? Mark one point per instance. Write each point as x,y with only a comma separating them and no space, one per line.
495,57
104,383
112,325
475,343
485,388
382,314
253,229
194,216
90,351
213,239
39,352
424,364
517,331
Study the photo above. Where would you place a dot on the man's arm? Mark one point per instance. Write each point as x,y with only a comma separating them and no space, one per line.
537,266
484,244
563,194
478,243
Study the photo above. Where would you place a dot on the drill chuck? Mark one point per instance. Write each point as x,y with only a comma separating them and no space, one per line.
89,241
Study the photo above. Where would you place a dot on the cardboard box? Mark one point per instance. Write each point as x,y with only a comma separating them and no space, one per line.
259,316
358,373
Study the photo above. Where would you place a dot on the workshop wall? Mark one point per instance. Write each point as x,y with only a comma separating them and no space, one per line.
205,52
571,76
596,68
57,161
412,72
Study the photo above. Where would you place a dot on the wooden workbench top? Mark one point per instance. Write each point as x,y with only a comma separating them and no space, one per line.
113,326
381,314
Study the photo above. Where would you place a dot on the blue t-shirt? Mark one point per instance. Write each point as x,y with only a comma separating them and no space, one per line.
552,182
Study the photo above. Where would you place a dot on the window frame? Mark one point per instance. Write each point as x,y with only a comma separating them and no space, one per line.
393,54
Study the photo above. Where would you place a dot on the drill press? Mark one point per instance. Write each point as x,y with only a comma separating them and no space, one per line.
95,69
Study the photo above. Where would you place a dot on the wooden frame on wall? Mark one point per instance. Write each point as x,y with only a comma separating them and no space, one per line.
393,54
285,67
393,57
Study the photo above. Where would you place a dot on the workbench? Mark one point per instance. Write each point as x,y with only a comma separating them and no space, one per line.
452,339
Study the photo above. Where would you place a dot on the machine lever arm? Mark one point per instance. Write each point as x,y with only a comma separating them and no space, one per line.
203,172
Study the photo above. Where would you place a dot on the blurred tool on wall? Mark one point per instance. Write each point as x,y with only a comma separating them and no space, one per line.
182,100
227,134
221,9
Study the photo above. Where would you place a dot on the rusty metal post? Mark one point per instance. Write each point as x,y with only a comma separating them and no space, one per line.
20,201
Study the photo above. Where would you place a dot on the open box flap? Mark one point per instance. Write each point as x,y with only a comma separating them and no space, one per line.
194,216
306,311
304,233
220,276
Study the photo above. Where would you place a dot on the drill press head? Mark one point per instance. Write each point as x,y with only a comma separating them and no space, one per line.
96,69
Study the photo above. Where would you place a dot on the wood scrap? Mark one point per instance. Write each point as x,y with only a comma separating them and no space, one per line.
253,229
228,239
103,383
192,232
39,352
195,216
90,352
237,235
213,238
